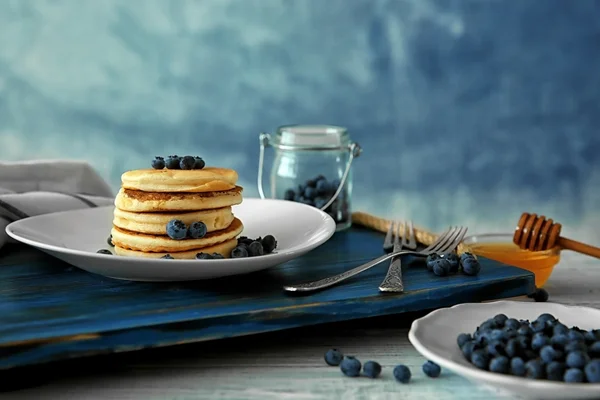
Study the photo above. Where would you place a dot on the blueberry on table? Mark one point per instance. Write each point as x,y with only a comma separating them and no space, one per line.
256,249
454,261
470,266
198,163
350,366
104,251
402,373
463,338
517,366
499,364
187,162
269,244
441,267
592,371
176,229
289,195
158,163
167,257
239,252
333,357
203,256
540,295
535,369
574,375
372,369
197,230
431,369
430,260
109,241
172,162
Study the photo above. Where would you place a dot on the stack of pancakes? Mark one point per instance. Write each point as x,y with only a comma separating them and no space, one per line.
150,198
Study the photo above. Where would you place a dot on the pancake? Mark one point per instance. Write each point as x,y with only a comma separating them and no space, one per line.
156,223
209,179
140,201
223,248
164,244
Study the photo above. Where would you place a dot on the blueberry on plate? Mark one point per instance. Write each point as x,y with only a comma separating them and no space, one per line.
512,323
560,329
104,251
372,369
463,338
198,163
217,256
430,259
592,371
480,359
539,341
467,350
203,256
594,349
431,369
540,295
239,252
158,163
500,364
577,359
402,373
172,162
245,240
197,230
470,266
187,162
499,319
555,371
256,249
176,229
517,366
535,369
350,366
549,353
167,257
269,244
333,357
574,375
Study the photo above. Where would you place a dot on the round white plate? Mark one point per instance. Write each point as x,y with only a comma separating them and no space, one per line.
434,336
76,236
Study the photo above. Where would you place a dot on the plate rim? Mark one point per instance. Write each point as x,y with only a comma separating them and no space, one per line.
492,378
329,226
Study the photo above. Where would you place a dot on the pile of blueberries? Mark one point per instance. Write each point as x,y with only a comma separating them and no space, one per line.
351,366
450,263
317,192
542,349
247,247
176,162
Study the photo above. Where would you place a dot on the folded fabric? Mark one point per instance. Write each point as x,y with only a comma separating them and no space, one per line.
39,187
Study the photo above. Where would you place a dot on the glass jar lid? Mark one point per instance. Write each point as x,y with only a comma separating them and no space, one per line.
311,137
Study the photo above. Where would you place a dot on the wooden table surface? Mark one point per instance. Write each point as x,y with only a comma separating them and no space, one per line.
284,365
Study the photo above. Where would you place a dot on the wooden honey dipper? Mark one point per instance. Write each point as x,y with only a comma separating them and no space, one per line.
535,233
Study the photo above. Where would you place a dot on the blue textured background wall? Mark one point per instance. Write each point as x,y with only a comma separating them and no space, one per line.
469,111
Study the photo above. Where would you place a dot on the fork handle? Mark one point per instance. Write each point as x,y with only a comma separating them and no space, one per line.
333,280
393,279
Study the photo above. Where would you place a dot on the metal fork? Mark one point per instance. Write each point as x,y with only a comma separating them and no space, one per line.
393,279
447,240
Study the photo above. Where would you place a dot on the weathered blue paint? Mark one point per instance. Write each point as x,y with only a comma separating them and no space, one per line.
50,310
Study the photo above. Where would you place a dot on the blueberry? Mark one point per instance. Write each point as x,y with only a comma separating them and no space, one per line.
256,249
109,241
540,295
203,256
199,163
524,330
512,348
555,371
333,357
575,336
493,323
496,349
172,162
176,229
517,366
549,354
467,350
310,193
539,340
499,319
590,336
594,349
372,369
431,369
574,375
289,194
158,163
470,266
538,326
524,342
239,252
453,260
499,365
466,255
269,244
430,259
322,187
104,251
245,240
497,334
217,256
167,257
350,366
463,338
402,373
560,329
187,162
535,369
575,346
547,318
560,340
577,359
592,371
441,267
512,323
311,183
197,230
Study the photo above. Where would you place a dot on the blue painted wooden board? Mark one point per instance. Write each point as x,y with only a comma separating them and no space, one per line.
50,310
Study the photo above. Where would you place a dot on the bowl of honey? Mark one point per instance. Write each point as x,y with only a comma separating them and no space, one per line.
500,247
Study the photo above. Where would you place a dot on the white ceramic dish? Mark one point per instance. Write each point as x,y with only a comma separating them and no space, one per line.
434,336
76,236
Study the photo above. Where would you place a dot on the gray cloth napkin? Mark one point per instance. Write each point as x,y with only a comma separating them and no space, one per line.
31,188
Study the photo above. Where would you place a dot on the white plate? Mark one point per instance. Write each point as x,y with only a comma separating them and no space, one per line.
75,236
434,336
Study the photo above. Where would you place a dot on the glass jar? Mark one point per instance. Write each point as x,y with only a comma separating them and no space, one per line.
312,165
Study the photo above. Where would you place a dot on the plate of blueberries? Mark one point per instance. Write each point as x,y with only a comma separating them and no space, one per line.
531,350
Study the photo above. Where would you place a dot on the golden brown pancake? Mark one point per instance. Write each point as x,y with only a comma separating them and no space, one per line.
209,179
164,244
223,248
156,223
140,201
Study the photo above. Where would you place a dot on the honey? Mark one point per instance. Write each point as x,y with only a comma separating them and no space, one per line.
500,248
